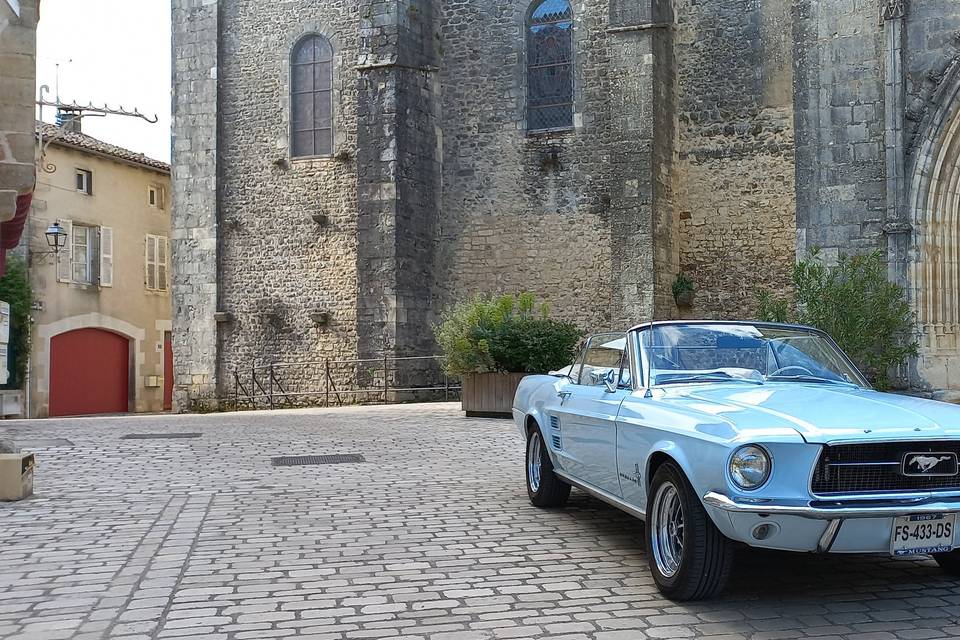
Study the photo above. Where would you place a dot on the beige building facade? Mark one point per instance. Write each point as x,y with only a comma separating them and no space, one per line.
101,319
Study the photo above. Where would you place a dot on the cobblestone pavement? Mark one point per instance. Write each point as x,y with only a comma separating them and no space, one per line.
432,538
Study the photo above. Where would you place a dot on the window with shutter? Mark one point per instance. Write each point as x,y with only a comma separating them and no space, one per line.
85,181
81,252
161,264
156,265
106,257
64,258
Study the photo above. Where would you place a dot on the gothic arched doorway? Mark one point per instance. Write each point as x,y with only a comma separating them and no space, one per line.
935,265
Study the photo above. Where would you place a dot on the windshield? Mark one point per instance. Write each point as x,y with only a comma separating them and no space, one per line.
756,354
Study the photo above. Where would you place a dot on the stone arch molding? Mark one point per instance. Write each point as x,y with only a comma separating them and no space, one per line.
46,332
934,200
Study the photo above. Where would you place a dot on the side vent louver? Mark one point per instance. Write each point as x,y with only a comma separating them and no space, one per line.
555,424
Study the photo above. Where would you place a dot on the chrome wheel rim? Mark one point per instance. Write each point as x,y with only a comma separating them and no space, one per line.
533,461
666,530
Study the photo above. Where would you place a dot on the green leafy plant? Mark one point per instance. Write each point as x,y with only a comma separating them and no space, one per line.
15,289
507,333
682,284
854,303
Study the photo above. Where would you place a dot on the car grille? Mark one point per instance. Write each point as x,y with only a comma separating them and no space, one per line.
852,468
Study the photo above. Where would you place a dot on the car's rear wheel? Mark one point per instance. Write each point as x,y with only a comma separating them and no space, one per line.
689,558
949,562
543,486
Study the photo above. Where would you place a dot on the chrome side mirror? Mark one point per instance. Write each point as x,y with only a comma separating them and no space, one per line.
605,378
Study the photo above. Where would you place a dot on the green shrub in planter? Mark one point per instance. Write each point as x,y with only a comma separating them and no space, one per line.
507,333
856,304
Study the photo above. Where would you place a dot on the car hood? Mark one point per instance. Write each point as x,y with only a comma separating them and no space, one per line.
820,413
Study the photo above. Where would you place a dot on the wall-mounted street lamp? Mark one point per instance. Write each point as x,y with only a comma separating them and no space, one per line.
56,237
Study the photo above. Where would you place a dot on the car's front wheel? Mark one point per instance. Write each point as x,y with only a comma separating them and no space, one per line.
689,558
543,486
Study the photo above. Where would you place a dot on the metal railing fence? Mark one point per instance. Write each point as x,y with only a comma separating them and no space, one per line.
352,381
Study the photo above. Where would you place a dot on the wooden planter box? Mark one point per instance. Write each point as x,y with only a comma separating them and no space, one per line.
489,395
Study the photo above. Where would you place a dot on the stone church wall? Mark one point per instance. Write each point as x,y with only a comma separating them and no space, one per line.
194,198
279,267
565,215
522,212
718,139
735,168
841,191
930,265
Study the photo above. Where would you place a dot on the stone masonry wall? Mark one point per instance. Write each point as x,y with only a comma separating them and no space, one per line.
289,225
666,222
932,45
735,171
399,179
841,191
928,268
538,212
194,200
18,60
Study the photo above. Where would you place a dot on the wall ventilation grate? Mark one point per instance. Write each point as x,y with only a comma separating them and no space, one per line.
300,461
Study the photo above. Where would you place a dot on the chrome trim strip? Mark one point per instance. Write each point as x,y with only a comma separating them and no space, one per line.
829,536
892,496
849,510
895,438
600,494
862,464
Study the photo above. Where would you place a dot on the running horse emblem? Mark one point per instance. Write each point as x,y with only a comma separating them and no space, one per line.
926,463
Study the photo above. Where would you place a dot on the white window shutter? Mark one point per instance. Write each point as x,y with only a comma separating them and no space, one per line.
64,268
163,262
150,259
146,261
106,256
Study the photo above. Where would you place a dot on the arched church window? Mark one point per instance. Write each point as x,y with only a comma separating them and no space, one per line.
550,66
311,92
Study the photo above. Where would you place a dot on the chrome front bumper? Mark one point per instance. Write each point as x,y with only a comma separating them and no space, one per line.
850,525
887,507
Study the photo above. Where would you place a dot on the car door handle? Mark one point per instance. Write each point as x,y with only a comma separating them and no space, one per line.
564,394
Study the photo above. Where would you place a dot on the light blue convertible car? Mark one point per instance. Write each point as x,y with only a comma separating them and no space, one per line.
764,434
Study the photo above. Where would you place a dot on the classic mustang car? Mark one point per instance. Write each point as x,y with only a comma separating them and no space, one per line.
764,434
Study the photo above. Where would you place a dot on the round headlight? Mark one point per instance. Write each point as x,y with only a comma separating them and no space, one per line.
749,467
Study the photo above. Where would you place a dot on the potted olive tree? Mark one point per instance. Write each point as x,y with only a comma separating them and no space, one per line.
492,342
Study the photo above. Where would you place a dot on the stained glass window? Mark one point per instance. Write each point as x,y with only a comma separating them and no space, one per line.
550,66
311,96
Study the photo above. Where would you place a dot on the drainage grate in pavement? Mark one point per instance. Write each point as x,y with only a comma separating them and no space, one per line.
158,436
299,461
42,443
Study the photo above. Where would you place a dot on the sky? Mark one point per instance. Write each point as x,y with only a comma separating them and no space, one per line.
115,52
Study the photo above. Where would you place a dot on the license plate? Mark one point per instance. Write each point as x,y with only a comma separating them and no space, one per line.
926,533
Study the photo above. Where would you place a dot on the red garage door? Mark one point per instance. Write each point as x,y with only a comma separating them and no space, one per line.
89,373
